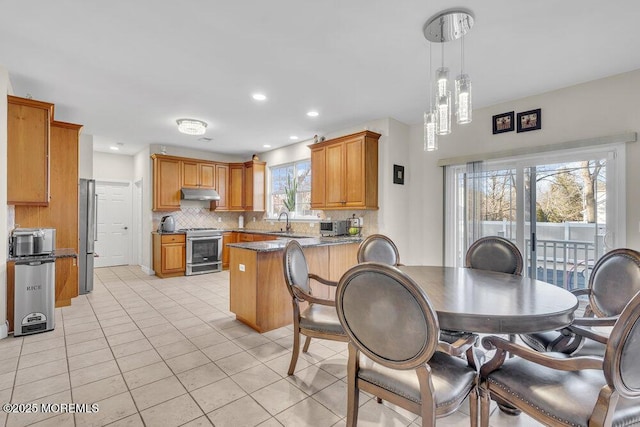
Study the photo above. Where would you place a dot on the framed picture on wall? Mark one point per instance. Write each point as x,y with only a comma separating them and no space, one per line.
503,122
529,120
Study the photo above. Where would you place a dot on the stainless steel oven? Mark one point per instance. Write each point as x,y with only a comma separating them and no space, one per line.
204,251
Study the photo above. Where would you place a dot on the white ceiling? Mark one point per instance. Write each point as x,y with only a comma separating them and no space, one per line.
127,70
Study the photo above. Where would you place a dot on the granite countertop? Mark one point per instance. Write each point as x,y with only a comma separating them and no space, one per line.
58,253
281,242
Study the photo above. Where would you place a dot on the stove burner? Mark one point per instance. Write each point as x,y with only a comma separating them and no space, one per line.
199,229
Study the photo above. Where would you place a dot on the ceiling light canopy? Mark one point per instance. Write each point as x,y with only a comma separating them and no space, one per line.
191,126
259,96
445,27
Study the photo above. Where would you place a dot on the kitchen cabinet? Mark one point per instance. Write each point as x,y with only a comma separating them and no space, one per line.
169,254
222,185
227,237
28,133
198,174
254,186
167,181
345,172
236,187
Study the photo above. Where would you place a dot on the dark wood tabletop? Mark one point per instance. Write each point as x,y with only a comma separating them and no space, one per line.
483,301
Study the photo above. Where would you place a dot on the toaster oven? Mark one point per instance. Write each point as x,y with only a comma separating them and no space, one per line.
334,228
32,241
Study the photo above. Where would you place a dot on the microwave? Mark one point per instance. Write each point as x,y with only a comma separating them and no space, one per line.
334,228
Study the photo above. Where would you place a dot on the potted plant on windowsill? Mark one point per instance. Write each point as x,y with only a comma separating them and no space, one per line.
290,190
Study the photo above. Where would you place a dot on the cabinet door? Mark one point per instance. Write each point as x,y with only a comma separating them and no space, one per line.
248,187
227,238
254,186
173,258
318,165
27,172
222,184
334,178
166,184
354,173
189,174
206,173
236,187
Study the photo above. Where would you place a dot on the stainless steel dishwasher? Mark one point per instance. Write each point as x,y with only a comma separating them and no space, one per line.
34,299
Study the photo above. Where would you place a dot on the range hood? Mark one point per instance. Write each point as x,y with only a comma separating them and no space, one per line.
199,194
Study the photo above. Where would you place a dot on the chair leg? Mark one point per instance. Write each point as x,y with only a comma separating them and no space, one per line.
306,344
378,399
353,400
295,352
485,403
473,407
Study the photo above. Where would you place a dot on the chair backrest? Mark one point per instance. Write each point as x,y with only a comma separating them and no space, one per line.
296,270
378,248
494,253
621,367
614,280
387,315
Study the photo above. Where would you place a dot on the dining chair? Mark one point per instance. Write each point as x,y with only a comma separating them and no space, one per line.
494,253
319,319
614,280
569,391
378,248
393,337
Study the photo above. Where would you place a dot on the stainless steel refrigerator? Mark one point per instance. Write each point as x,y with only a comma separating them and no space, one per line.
88,233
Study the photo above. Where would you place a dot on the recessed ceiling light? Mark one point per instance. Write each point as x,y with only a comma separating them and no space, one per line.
293,138
114,148
259,96
313,114
266,146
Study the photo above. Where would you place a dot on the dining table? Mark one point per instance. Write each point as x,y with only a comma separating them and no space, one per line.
482,301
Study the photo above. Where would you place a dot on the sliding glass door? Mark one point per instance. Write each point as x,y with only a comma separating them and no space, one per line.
562,210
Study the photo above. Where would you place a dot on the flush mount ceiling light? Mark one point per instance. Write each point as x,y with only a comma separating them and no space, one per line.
267,146
445,27
313,114
259,97
114,148
191,126
293,138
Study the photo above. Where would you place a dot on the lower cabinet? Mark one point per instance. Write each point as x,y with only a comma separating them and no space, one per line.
228,237
169,254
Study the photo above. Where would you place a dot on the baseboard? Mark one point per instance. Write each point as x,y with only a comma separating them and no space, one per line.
4,330
147,270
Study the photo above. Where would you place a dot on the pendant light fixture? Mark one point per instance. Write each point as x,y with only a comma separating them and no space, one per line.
441,28
430,137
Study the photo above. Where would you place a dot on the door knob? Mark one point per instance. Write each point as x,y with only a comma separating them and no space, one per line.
125,227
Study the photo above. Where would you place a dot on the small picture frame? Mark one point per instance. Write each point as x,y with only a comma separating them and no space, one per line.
529,120
398,174
503,122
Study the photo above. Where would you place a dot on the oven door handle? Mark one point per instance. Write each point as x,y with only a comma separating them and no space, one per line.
204,238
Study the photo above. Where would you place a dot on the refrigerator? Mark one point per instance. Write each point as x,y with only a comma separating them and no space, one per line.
88,233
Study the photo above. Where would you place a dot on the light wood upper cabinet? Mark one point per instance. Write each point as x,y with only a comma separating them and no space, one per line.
197,174
254,186
222,185
190,176
345,172
236,187
28,127
167,176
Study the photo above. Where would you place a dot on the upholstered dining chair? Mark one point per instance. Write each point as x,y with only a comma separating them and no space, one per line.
572,391
614,280
378,248
494,253
393,337
319,319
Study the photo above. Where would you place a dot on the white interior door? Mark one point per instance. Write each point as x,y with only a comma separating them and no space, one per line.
114,223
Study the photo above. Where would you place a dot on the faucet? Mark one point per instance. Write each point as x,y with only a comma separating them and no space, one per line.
288,226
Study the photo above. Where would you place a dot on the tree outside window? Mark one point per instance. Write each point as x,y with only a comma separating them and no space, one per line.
291,189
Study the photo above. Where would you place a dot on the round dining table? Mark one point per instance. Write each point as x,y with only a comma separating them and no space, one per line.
483,301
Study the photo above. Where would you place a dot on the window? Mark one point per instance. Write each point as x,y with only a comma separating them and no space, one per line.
291,189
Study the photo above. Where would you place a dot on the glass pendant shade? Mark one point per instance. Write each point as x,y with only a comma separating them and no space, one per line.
443,114
442,81
463,99
430,138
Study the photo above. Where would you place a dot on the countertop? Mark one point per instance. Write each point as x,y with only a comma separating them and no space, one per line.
281,242
58,253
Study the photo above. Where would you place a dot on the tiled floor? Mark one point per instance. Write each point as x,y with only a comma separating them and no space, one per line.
154,352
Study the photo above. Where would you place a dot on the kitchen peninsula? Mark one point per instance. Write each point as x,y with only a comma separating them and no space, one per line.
258,293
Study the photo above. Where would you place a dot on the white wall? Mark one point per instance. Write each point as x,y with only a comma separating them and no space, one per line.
603,107
85,156
112,167
142,172
4,90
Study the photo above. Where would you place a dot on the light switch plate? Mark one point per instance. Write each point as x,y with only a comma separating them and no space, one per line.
241,267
